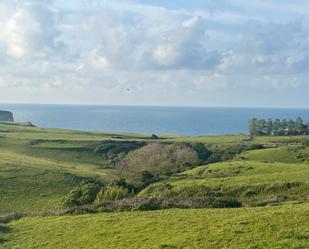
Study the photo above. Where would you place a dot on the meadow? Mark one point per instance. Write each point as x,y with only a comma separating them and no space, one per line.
278,227
230,191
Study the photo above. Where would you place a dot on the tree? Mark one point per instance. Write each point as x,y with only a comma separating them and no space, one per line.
276,127
299,125
261,127
307,129
253,126
291,127
269,127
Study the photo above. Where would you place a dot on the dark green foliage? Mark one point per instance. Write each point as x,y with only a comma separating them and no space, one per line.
146,179
157,203
82,195
111,149
231,152
115,151
262,127
201,150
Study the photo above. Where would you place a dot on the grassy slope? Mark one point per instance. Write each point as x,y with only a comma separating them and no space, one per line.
39,166
289,154
29,184
32,184
236,173
268,174
226,140
271,227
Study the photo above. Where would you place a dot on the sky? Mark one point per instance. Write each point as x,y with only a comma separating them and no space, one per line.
145,52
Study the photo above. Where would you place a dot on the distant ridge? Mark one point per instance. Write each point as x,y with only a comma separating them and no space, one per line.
6,116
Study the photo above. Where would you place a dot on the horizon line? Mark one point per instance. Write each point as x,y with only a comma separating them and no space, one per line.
146,105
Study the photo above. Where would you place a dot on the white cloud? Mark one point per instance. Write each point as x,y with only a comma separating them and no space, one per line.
71,47
30,31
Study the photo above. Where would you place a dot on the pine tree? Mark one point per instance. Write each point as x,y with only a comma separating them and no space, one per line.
299,125
253,126
269,127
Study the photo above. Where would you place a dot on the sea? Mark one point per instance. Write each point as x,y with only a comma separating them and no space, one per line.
189,121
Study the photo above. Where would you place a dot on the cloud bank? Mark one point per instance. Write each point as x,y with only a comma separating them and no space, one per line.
222,53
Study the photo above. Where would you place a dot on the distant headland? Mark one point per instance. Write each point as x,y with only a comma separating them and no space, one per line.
6,116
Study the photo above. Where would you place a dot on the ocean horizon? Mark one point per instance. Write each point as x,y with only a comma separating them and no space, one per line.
190,121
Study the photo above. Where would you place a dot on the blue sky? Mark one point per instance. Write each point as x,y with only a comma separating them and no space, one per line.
146,52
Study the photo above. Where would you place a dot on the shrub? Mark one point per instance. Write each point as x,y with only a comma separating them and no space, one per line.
10,217
111,193
113,149
305,142
157,203
82,195
202,151
219,155
157,159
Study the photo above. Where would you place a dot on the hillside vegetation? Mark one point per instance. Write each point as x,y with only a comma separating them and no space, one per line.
62,173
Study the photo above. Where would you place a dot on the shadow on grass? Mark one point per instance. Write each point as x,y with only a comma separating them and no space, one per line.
2,241
3,231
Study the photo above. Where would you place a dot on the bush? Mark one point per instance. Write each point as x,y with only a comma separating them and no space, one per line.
157,160
305,142
231,152
112,149
157,203
82,195
111,193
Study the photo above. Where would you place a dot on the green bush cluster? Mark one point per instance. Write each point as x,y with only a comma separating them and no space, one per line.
226,154
82,195
111,193
89,193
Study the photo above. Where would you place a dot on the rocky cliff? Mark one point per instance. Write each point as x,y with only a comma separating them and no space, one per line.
6,116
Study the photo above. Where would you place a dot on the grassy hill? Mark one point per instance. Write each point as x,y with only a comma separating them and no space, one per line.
253,178
266,178
287,154
38,167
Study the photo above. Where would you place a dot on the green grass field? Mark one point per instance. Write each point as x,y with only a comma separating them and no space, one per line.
38,167
271,227
267,178
288,154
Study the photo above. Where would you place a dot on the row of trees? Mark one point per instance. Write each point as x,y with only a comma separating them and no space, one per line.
277,127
